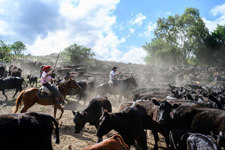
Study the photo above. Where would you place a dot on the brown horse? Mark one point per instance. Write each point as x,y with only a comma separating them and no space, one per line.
30,96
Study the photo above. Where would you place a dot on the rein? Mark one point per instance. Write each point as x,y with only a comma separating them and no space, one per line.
62,87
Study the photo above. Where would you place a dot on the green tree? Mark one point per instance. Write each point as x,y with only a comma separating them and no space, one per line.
4,51
17,48
78,54
177,38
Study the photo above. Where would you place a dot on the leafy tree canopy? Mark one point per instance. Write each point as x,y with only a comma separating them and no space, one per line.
78,54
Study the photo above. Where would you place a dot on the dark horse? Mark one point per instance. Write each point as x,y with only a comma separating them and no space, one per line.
31,96
82,93
106,88
11,83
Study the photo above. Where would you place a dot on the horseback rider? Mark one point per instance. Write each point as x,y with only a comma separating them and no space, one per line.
45,78
113,77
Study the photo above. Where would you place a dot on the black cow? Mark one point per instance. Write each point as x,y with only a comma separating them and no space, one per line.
27,131
202,120
3,72
128,123
186,140
11,83
91,114
32,80
220,140
16,72
162,113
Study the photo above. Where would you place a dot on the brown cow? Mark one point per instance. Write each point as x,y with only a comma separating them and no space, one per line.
116,142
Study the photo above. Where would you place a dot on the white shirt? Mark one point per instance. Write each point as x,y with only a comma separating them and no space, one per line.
112,75
45,78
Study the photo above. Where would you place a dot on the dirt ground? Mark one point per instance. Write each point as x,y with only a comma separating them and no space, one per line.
67,137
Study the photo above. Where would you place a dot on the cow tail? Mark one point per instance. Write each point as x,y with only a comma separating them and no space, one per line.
18,101
57,140
121,141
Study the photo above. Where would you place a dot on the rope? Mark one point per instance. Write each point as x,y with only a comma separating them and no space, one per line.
56,60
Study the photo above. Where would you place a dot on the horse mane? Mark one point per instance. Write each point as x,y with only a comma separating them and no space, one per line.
64,82
134,80
130,78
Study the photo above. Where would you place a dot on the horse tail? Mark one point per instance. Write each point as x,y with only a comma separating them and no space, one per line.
18,101
121,141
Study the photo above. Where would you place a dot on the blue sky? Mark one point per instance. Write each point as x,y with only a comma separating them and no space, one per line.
114,29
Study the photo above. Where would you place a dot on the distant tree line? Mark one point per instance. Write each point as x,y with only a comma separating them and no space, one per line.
185,40
74,53
10,51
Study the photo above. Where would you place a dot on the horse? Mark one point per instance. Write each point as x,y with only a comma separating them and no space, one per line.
31,96
106,88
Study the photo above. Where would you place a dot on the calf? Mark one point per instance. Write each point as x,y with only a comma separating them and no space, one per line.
27,131
184,140
128,123
32,80
116,142
91,114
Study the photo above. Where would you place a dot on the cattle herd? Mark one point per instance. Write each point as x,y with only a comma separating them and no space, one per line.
184,105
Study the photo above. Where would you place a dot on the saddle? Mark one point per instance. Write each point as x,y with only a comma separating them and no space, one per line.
111,84
45,91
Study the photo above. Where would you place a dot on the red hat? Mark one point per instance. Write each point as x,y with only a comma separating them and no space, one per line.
46,67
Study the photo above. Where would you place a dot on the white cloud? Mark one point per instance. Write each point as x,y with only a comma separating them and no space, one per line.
84,22
138,20
212,24
168,13
149,30
134,55
219,9
131,30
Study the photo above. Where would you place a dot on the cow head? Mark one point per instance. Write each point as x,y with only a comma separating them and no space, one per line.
80,120
220,139
105,125
165,109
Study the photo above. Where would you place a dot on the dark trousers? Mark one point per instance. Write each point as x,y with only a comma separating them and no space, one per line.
118,83
52,89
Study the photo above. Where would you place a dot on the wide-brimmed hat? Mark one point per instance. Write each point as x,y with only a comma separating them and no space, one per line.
115,67
46,67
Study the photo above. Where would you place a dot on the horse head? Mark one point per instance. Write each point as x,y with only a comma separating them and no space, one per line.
70,83
134,81
130,81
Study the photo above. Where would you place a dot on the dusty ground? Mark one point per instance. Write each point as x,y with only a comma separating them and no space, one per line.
67,137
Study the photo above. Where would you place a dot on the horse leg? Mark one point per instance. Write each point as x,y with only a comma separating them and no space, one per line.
15,93
59,107
55,111
26,107
3,92
79,98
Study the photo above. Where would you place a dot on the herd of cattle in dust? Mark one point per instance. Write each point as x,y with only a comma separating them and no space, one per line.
183,105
